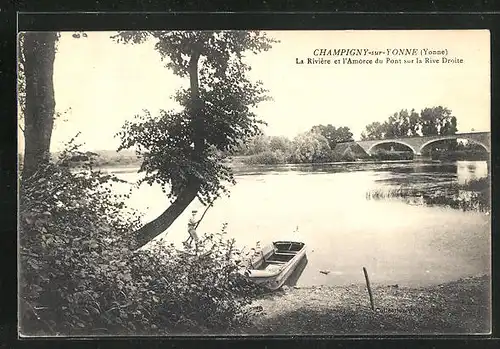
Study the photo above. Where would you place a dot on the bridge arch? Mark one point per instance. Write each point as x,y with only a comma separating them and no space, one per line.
453,137
384,141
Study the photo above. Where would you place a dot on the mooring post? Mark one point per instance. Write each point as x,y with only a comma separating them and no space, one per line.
369,288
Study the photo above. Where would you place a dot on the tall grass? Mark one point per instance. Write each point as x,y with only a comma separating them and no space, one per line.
474,195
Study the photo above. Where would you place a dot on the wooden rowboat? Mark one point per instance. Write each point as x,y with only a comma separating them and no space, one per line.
276,262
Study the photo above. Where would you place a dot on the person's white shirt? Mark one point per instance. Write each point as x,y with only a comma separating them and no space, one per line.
192,227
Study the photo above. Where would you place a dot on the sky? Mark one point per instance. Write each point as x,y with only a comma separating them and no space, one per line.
99,84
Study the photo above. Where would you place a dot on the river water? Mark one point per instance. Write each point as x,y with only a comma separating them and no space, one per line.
326,207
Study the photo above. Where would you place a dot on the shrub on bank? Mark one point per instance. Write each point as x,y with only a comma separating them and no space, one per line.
80,272
277,157
310,147
458,155
265,158
390,155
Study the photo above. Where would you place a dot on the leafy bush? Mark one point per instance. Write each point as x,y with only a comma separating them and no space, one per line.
202,288
71,227
256,145
310,147
262,143
81,274
459,155
280,143
265,158
391,155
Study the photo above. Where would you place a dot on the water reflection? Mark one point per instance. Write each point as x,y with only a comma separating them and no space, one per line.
295,276
478,168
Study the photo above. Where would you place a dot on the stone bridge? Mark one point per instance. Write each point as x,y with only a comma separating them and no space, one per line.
417,144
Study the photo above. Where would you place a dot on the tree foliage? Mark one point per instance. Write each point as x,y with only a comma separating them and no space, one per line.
280,143
307,147
263,143
374,130
438,121
183,150
402,124
430,122
334,135
310,147
257,144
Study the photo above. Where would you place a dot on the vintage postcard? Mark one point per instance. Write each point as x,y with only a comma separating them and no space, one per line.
233,183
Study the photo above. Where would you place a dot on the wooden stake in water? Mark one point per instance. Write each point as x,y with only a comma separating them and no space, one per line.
369,288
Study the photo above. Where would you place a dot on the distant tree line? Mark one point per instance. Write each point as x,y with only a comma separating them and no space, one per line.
99,158
313,146
430,122
334,135
435,121
320,143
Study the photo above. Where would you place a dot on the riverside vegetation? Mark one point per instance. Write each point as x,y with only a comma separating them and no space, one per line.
314,147
326,143
83,275
471,195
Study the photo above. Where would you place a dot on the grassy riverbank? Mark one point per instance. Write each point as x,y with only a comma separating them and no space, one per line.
452,308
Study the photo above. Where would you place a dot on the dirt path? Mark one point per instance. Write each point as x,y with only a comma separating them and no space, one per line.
462,306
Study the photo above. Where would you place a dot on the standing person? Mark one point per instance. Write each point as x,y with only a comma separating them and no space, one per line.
192,228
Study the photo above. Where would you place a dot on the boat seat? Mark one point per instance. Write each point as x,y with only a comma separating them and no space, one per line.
286,253
275,262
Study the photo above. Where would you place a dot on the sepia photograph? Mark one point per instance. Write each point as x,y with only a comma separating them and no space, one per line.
242,183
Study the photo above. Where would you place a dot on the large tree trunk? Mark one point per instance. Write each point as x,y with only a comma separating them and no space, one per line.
39,55
152,229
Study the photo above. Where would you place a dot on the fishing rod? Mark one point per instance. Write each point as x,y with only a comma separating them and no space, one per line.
203,215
